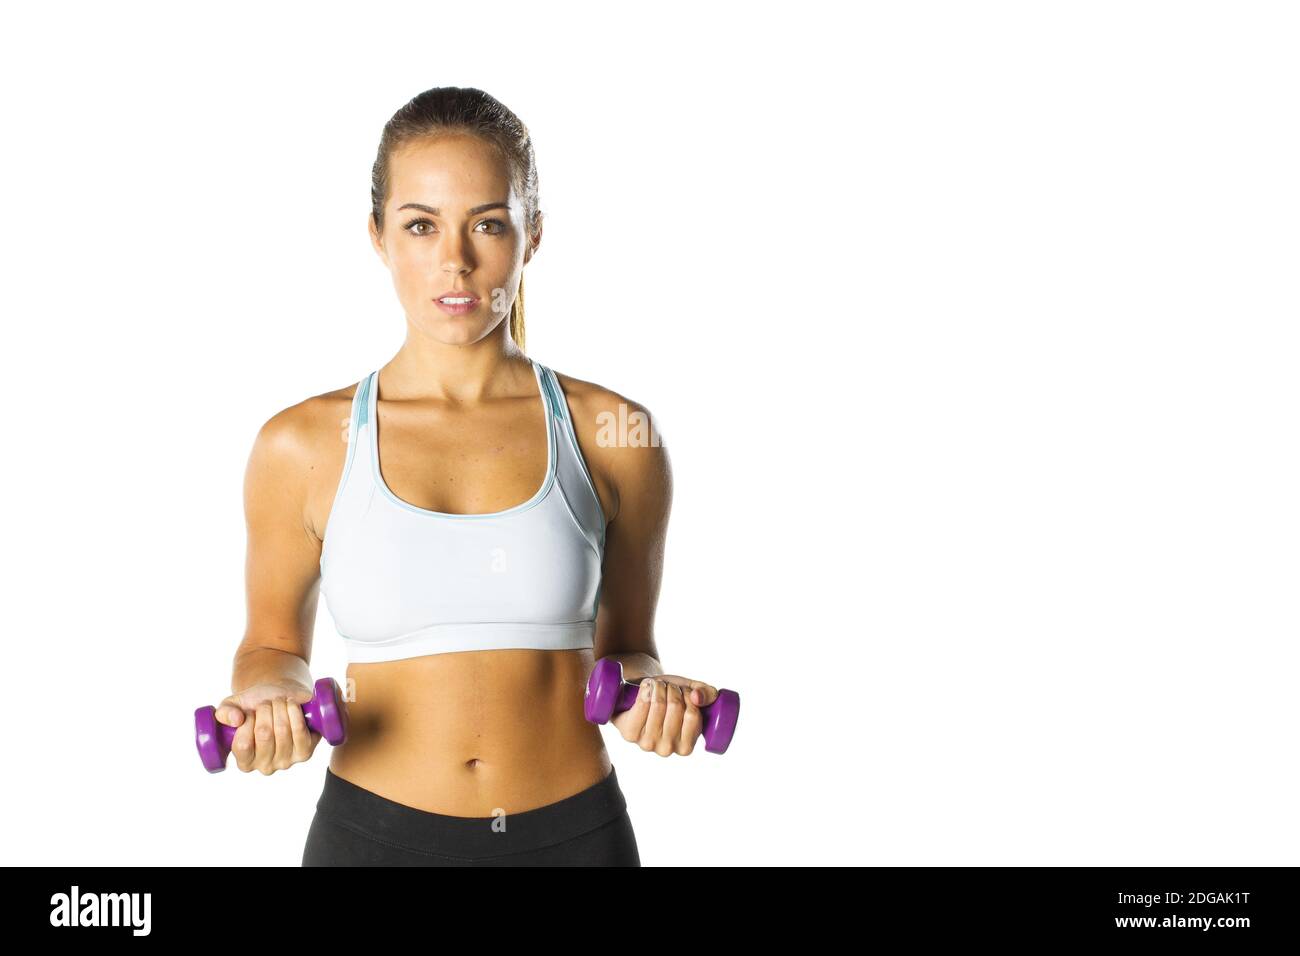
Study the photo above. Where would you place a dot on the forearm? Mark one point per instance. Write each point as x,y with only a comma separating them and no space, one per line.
268,665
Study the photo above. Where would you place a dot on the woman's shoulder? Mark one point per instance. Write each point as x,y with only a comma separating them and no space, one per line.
306,435
299,451
590,402
620,439
299,427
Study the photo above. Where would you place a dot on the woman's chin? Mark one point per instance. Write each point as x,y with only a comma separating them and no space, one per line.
452,331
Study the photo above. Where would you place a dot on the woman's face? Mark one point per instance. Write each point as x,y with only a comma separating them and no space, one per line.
453,225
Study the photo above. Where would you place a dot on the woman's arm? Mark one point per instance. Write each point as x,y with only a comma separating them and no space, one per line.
270,679
634,481
633,559
282,565
637,473
634,556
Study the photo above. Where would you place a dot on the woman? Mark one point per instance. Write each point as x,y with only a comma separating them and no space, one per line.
479,541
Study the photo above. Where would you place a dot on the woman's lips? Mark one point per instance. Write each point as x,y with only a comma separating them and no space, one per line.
455,307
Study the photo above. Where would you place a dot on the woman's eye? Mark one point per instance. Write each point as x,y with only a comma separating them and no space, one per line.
497,225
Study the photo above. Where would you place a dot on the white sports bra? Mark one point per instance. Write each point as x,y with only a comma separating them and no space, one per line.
402,581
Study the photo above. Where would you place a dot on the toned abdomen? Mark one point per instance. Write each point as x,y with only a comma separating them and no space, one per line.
472,733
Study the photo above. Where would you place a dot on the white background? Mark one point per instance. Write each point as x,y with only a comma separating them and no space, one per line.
971,329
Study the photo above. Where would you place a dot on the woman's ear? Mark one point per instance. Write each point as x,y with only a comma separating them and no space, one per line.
375,241
534,241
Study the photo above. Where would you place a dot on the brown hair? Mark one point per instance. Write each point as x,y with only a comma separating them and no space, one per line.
454,109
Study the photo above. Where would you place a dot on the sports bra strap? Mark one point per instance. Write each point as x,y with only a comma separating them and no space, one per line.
552,388
363,398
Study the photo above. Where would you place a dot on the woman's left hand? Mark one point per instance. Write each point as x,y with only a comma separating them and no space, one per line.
666,716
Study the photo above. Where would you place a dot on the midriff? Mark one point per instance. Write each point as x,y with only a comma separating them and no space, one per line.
473,733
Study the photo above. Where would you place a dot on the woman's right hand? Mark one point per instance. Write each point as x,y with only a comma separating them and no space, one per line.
272,732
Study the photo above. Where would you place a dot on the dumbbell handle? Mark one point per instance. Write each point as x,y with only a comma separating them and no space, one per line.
226,733
325,713
608,694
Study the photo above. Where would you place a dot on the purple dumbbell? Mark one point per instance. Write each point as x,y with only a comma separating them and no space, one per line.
325,714
608,694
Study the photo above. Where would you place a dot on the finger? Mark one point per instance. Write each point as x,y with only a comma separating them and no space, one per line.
708,693
243,746
692,725
674,711
654,720
631,722
301,733
283,734
229,713
263,738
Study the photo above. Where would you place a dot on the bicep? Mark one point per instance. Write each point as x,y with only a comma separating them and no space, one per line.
634,550
282,564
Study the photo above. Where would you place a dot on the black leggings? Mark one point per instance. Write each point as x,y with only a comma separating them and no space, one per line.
356,827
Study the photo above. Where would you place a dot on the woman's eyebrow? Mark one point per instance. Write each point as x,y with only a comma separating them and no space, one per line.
434,212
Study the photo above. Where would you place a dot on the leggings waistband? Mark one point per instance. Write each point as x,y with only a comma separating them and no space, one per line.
379,818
